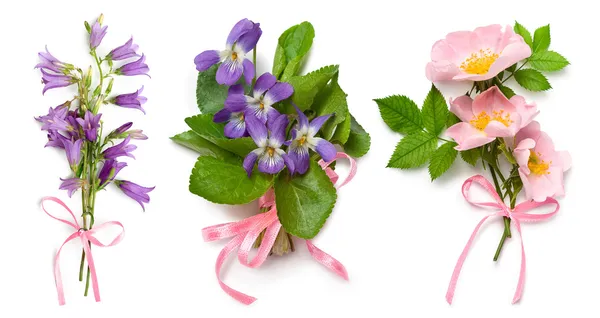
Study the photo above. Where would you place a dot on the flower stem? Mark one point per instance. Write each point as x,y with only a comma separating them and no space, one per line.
513,73
254,62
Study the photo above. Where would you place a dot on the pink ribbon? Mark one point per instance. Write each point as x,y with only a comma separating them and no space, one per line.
87,237
246,232
517,215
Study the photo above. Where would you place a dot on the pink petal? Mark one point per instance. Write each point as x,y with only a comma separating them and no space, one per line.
566,160
467,136
497,129
527,111
530,131
442,51
522,152
464,43
437,71
490,36
462,107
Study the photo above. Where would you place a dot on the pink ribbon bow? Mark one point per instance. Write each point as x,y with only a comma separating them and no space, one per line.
87,237
246,232
518,214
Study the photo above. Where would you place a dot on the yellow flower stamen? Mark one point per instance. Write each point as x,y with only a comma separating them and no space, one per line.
270,151
479,62
234,56
538,166
262,105
302,140
483,119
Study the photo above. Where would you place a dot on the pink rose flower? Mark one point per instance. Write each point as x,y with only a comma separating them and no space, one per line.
540,166
489,116
476,55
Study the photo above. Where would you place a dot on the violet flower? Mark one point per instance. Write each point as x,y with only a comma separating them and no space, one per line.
234,115
123,131
241,40
71,185
73,151
137,67
124,51
131,100
266,93
55,80
56,139
97,34
303,139
90,124
123,149
59,112
271,158
110,169
135,191
50,63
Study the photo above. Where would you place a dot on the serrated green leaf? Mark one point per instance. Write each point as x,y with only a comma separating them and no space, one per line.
532,80
548,61
359,141
331,101
304,202
507,91
442,159
213,132
204,147
307,87
226,183
292,47
471,156
401,114
413,150
342,131
522,31
210,96
434,112
541,39
452,120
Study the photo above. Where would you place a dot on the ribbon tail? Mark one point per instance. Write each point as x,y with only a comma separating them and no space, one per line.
521,282
57,276
239,296
327,260
461,261
272,226
92,266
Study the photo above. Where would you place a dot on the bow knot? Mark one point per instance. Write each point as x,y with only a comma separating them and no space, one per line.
518,214
245,233
87,239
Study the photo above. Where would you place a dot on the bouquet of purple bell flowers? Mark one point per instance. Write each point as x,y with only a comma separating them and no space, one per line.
76,126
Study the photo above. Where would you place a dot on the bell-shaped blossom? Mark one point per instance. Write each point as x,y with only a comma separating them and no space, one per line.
90,124
131,100
135,191
110,169
122,149
137,67
124,51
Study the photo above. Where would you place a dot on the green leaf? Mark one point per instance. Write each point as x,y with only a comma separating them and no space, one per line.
435,111
331,101
226,183
532,80
507,91
304,202
401,114
307,87
413,150
343,130
548,61
471,156
213,132
292,46
210,96
512,68
541,39
452,120
442,159
359,141
204,147
522,31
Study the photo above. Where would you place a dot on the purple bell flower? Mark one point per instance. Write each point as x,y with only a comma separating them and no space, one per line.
73,151
97,34
124,51
55,80
50,63
109,171
90,124
241,40
271,158
56,139
71,185
135,191
123,149
137,67
131,100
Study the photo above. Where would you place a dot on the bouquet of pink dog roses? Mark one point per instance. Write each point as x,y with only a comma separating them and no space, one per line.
490,125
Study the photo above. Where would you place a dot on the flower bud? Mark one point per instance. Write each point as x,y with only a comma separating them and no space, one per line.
109,87
88,77
87,27
97,91
101,18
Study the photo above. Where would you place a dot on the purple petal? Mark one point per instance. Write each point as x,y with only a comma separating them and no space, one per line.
264,83
302,119
249,162
271,164
236,89
235,128
229,73
239,29
325,149
272,114
301,159
256,129
236,103
222,116
316,123
278,92
289,163
248,40
206,59
278,131
248,71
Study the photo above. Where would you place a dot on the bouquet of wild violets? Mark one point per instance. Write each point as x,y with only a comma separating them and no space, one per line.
271,138
76,127
490,126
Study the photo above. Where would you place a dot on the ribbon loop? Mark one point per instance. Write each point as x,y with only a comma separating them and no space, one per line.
519,213
87,237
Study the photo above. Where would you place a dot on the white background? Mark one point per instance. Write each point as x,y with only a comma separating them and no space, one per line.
398,234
